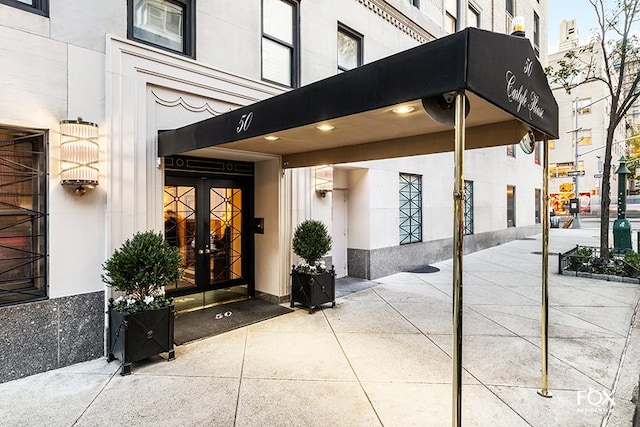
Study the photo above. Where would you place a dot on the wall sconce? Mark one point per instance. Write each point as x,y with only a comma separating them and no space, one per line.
79,154
323,179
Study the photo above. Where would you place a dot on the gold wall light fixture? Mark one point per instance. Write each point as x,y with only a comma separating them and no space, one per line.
79,155
323,179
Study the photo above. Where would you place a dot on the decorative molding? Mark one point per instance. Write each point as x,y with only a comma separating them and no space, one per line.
182,102
398,20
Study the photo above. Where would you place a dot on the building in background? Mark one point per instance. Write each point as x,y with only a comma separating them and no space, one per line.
583,118
136,68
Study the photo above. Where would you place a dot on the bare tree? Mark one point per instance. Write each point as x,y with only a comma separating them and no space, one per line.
612,57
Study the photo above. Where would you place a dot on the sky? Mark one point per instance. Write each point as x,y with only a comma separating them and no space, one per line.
558,10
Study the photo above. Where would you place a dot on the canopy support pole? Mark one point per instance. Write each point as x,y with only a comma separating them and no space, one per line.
544,391
458,234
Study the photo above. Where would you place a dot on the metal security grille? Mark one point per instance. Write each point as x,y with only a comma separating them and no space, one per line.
22,215
468,207
410,208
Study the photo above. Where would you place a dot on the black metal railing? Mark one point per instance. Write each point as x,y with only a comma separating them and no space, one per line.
588,259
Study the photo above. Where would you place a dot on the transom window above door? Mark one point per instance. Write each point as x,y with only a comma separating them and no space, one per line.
167,24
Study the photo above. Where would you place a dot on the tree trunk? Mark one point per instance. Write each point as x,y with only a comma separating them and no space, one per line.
605,196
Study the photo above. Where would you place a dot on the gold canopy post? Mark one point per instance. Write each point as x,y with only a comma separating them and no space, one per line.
458,234
544,391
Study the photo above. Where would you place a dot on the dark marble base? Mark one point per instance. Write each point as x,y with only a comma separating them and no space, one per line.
39,336
375,263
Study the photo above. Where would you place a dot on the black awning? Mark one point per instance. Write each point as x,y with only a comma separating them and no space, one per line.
499,73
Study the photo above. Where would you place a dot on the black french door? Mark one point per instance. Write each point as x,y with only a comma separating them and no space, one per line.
209,219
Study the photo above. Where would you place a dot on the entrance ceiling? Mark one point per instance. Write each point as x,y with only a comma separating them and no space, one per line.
506,87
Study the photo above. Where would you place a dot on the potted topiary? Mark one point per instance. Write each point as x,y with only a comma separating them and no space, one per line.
312,284
141,320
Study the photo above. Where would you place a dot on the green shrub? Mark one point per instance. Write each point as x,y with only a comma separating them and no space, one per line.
141,268
311,241
632,258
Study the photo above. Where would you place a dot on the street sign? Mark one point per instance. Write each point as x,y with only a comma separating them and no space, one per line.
575,173
597,175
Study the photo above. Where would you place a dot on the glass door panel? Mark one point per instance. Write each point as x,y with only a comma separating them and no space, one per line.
180,229
225,222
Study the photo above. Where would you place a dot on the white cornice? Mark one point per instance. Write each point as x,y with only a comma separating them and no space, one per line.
398,20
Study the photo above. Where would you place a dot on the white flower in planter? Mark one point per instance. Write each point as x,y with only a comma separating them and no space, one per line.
148,299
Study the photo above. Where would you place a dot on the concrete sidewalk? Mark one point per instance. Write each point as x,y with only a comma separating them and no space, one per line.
381,357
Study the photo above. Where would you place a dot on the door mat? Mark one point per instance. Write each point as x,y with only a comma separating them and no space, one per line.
212,321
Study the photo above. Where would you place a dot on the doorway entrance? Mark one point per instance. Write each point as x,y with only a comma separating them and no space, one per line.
208,217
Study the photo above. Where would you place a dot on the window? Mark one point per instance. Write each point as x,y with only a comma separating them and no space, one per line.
468,207
349,49
23,193
415,3
509,6
167,24
538,204
536,153
410,208
450,23
511,150
41,7
584,138
279,42
511,206
509,14
473,17
584,106
536,30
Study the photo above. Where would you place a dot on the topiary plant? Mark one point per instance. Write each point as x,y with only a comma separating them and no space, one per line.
141,268
311,241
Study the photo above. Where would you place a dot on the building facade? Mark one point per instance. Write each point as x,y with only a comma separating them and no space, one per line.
141,67
583,118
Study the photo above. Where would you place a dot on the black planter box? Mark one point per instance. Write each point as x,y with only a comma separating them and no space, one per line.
137,336
313,290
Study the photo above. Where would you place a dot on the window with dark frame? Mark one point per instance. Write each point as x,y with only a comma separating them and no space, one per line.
468,207
40,7
280,36
511,150
349,49
415,3
410,218
511,206
166,24
23,219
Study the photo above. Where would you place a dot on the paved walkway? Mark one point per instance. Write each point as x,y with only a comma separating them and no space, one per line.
381,357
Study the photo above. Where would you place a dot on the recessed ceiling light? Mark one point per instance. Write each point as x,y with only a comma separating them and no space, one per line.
405,109
271,138
325,127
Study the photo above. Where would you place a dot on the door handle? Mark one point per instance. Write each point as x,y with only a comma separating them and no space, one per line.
200,251
207,251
